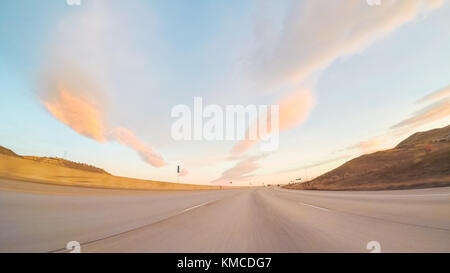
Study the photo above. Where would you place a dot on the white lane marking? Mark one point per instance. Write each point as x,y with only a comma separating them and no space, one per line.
304,204
345,194
194,207
420,195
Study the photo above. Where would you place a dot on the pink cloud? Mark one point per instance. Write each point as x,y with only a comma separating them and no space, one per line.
129,139
240,171
77,113
66,99
436,95
293,110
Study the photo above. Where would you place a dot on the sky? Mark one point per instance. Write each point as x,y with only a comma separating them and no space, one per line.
96,82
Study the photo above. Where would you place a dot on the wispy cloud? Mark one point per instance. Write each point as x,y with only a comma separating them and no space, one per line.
371,145
147,153
316,164
240,171
77,113
293,110
436,95
434,112
305,46
73,99
73,80
316,33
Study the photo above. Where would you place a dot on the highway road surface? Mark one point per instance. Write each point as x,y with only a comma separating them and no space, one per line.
44,218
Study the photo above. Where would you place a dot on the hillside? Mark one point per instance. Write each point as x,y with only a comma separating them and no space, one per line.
8,152
54,161
66,163
420,161
63,172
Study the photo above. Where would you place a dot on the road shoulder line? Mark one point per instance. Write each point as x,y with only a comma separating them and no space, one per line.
316,207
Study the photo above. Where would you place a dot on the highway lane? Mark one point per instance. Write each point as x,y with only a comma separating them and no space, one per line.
244,220
42,218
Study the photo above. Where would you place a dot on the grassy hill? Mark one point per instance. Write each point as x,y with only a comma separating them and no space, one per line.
59,171
54,161
420,161
66,163
8,152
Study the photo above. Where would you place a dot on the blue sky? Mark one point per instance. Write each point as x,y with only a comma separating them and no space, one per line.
366,67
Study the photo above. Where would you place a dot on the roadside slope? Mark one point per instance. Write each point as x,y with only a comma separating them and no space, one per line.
420,161
63,172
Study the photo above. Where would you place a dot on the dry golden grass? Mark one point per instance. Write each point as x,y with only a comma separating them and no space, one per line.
19,168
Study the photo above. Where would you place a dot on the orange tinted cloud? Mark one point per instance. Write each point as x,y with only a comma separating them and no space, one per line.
77,113
85,118
293,110
437,95
243,145
240,171
127,138
434,112
317,164
372,145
